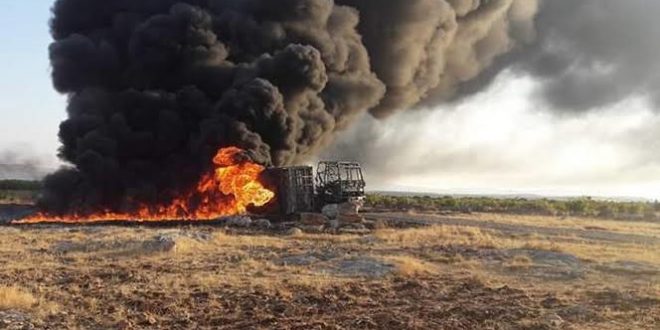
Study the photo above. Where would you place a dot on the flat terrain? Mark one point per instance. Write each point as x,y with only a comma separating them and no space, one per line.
404,270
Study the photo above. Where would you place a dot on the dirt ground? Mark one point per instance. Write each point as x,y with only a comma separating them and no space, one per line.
401,271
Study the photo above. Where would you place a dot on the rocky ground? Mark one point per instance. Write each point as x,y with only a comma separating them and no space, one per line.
392,271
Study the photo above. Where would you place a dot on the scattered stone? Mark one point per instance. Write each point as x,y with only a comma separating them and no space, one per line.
299,260
294,231
333,224
162,243
313,219
238,221
198,236
363,266
356,226
262,223
551,265
553,320
349,208
331,211
11,319
370,240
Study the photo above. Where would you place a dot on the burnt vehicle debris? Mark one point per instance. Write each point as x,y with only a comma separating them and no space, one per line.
299,190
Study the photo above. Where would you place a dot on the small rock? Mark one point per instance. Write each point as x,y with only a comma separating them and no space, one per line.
370,240
349,208
198,236
553,320
262,223
363,266
299,260
356,226
238,221
294,231
333,224
331,211
161,243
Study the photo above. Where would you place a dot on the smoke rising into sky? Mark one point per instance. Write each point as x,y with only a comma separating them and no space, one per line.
573,108
503,142
155,87
593,53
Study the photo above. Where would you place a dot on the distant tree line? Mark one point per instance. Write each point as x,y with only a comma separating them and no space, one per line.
19,191
584,207
20,185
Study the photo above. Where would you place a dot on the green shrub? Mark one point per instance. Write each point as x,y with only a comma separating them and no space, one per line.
19,185
585,207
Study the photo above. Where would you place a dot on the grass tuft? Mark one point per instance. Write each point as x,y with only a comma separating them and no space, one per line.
12,297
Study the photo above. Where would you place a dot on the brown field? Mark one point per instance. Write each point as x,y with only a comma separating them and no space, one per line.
418,271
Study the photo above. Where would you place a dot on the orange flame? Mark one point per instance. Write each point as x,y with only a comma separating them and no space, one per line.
227,191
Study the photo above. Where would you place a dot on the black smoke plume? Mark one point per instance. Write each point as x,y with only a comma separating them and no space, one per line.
157,87
594,53
588,54
584,56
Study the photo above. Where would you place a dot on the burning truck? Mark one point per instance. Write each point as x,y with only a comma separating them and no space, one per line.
156,88
236,186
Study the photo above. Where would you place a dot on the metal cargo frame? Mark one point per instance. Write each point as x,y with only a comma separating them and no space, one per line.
295,188
338,182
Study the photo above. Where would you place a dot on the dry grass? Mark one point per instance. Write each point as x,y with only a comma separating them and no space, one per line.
437,235
619,226
410,266
12,297
214,273
479,238
519,261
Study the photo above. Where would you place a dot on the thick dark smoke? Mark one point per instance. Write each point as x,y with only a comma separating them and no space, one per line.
585,56
157,87
588,54
425,49
592,53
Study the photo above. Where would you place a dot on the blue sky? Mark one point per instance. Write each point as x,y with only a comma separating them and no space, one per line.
31,109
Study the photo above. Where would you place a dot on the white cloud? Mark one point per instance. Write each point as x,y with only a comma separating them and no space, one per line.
501,141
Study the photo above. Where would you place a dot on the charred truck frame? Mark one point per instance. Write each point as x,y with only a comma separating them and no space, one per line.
298,191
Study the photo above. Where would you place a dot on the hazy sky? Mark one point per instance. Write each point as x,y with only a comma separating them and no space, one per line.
31,110
503,141
500,141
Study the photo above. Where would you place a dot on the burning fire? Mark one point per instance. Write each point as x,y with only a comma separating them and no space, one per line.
229,190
